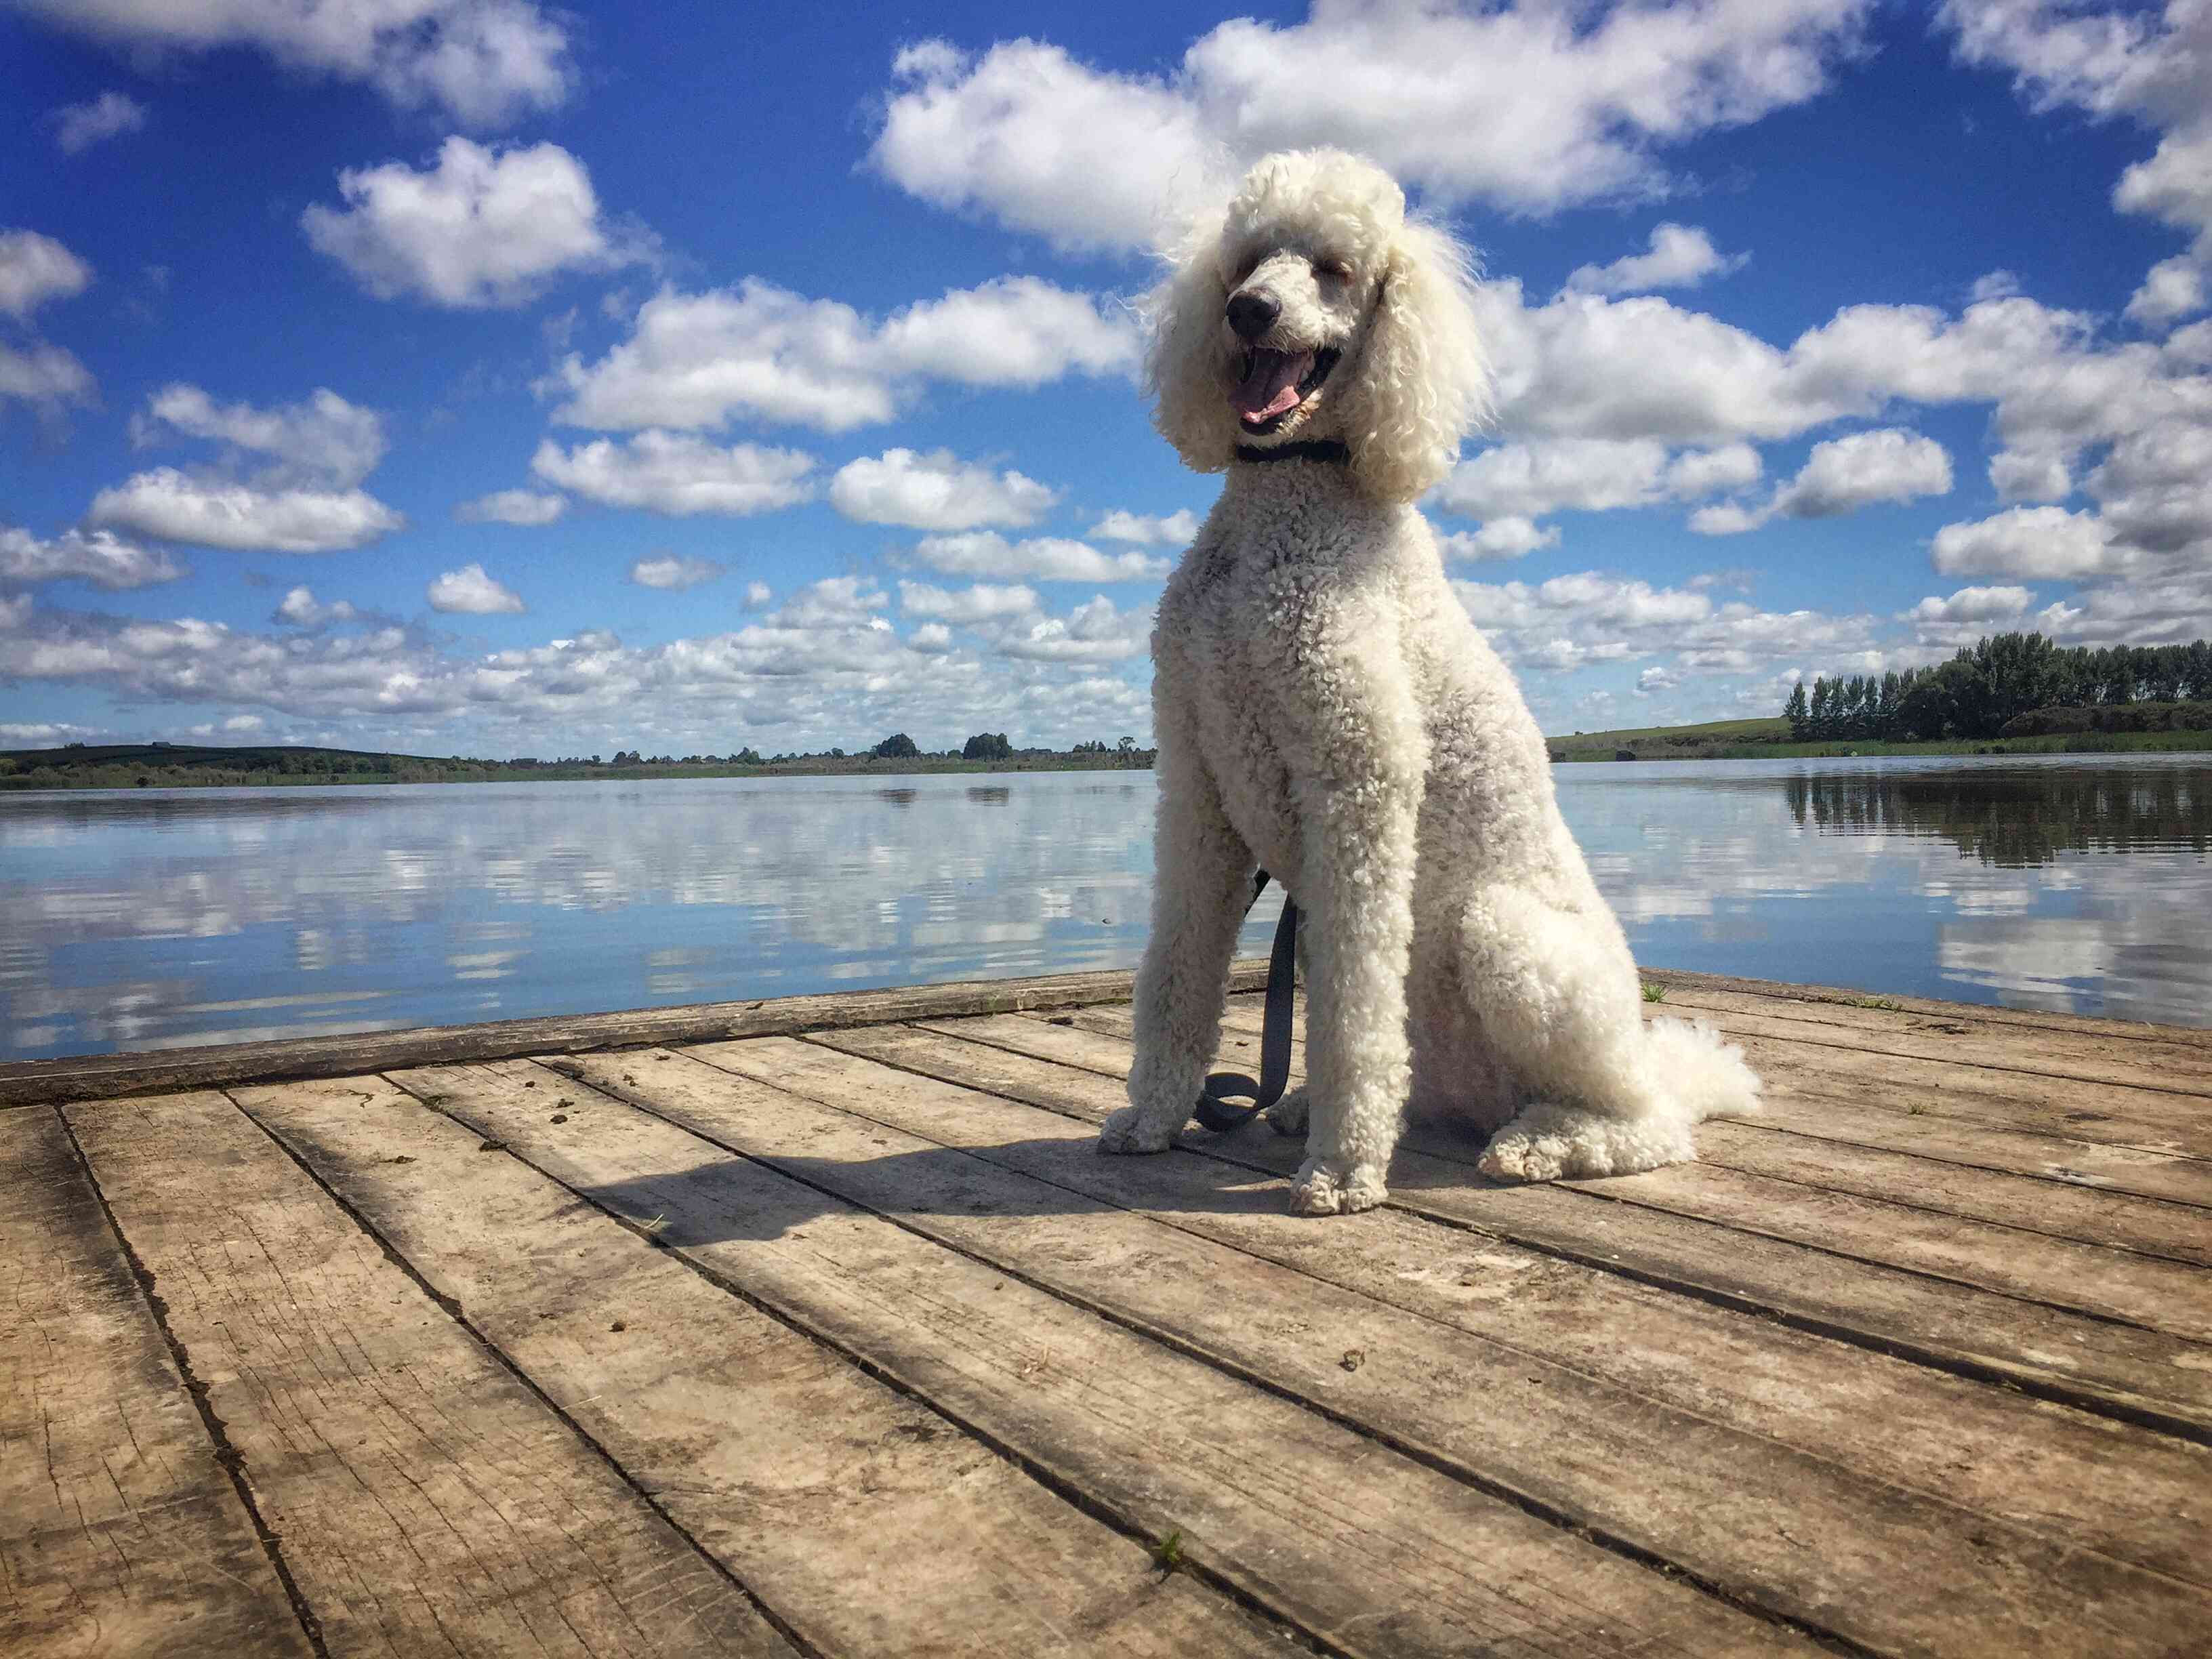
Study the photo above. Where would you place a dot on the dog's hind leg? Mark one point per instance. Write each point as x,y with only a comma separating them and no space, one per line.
1557,994
1201,887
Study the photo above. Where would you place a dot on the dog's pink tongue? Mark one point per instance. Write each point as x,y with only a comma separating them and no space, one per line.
1272,386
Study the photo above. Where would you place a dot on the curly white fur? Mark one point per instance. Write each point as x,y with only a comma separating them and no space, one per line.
1325,710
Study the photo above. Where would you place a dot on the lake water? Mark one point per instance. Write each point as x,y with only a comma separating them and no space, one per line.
153,919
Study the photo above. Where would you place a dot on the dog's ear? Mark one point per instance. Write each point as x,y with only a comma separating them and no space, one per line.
1423,378
1184,360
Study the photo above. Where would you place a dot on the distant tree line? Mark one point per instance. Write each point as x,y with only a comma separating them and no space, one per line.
166,765
2005,685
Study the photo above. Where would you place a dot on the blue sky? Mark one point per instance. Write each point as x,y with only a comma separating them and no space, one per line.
478,376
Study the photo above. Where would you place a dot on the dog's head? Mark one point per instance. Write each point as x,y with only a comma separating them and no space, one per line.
1315,309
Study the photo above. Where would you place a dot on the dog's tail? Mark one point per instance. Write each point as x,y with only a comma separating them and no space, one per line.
1704,1075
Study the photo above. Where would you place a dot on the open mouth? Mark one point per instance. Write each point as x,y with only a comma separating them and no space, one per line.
1277,382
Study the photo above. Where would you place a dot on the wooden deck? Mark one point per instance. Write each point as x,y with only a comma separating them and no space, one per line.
816,1327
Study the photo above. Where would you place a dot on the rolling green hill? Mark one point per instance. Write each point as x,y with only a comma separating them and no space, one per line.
1670,741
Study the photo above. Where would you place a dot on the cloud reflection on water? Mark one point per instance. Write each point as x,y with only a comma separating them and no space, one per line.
144,918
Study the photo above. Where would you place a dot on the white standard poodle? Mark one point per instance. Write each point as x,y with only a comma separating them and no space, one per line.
1326,711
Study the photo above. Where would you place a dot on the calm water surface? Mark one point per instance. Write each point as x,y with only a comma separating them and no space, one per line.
150,919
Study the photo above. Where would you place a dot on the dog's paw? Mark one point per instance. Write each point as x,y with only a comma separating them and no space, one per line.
1512,1156
1322,1191
1554,1143
1288,1116
1126,1131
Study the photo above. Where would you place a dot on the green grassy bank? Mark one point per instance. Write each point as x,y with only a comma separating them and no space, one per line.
1769,739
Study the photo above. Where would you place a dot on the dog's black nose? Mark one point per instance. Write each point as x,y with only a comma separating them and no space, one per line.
1252,314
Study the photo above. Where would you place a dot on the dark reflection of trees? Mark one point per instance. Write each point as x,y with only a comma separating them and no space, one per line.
990,794
897,797
136,809
2013,818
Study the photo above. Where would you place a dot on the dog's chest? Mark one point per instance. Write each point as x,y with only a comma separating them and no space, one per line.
1246,660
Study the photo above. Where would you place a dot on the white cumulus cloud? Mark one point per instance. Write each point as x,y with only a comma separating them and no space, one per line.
1527,480
1841,475
1043,558
36,269
1509,537
47,377
484,227
171,505
982,602
1148,530
2038,542
470,592
78,127
302,609
323,437
481,61
519,506
2174,288
1529,108
761,352
936,491
1973,604
1681,256
1094,631
678,473
301,497
98,556
669,572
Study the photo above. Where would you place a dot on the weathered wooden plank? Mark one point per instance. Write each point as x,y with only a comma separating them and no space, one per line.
427,1501
2146,1375
2162,1125
1095,1039
1930,1116
1905,1148
2115,1487
2172,1125
2086,1215
120,1534
2175,1069
1813,1000
1881,1566
864,1520
2110,1170
1400,1560
2151,1293
101,1077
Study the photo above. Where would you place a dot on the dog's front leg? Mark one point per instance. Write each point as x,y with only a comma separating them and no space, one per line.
1360,805
1201,886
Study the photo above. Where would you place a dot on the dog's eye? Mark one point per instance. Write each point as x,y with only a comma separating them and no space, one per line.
1336,271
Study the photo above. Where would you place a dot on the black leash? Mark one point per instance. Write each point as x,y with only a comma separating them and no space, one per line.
1214,1112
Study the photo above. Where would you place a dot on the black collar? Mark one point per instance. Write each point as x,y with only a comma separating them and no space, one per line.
1324,449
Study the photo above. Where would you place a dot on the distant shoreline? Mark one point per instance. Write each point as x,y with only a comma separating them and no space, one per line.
29,771
181,767
1769,739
